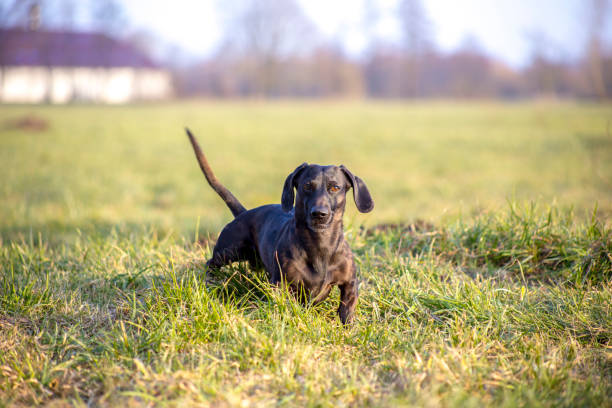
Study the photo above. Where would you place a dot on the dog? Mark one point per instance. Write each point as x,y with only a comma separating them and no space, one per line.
302,245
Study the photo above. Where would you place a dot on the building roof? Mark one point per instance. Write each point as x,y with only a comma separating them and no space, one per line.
67,49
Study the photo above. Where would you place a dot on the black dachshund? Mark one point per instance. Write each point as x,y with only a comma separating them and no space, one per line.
304,245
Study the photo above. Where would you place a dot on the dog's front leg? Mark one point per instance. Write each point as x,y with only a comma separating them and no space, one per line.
349,293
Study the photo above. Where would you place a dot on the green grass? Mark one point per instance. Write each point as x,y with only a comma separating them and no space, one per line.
486,265
100,166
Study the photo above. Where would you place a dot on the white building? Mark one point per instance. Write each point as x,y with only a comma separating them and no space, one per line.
63,67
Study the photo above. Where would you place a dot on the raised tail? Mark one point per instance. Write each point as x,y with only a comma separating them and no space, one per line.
231,201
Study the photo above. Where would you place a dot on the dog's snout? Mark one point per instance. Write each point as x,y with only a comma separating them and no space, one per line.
319,212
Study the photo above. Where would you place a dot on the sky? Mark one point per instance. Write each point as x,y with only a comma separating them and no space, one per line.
502,28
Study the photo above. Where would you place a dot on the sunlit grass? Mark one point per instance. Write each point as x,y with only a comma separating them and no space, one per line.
132,316
485,267
107,165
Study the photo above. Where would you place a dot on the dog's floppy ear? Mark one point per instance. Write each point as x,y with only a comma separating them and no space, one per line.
288,194
362,197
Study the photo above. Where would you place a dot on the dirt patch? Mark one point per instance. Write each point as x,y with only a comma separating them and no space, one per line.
28,123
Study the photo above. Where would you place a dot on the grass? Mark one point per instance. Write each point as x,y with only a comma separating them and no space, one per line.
486,266
101,166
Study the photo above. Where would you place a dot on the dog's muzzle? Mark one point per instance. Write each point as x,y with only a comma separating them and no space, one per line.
319,217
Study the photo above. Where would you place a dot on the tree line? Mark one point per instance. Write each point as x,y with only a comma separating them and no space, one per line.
269,52
270,49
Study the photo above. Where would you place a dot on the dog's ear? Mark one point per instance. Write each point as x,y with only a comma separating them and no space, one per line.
288,194
361,195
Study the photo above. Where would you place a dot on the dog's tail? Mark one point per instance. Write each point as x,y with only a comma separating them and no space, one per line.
231,201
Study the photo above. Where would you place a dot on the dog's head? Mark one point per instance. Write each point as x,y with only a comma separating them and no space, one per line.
321,194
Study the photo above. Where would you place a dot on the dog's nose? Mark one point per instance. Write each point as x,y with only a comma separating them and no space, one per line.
319,212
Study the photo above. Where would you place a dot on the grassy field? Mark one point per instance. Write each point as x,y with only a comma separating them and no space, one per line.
486,265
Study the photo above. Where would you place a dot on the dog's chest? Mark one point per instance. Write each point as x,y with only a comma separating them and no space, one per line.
310,265
319,268
309,273
319,273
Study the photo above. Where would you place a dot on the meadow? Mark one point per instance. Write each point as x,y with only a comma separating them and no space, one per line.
485,267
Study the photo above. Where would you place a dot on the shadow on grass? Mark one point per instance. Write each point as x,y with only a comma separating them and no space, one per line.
238,282
248,286
56,233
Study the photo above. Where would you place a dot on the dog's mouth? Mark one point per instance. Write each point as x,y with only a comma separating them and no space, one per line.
319,225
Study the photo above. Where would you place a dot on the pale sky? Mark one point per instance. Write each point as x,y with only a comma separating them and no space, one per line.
503,28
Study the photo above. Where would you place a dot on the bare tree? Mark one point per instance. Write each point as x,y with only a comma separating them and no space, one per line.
108,17
416,42
541,74
415,27
597,20
264,32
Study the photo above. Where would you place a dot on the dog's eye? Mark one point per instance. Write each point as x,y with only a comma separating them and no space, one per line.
308,187
334,188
